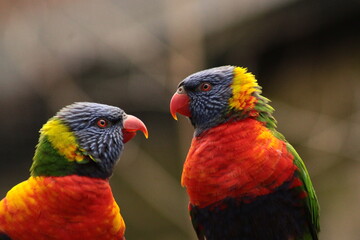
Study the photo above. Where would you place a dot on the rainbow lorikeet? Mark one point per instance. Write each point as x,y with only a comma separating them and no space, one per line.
244,180
68,195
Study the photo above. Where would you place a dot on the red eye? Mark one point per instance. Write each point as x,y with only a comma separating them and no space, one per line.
102,123
205,87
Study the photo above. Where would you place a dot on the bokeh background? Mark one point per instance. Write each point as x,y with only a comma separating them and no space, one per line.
132,54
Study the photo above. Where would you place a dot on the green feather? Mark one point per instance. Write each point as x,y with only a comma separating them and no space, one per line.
265,111
311,199
48,162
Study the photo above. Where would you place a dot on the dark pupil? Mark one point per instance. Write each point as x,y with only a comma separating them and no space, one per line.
205,86
102,122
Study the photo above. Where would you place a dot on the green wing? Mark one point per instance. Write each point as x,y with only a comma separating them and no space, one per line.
311,200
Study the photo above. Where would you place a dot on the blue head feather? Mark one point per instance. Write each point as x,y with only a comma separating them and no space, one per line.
104,145
211,108
208,108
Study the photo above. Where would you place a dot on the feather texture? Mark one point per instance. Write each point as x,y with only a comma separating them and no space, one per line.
240,179
244,180
71,207
222,163
68,195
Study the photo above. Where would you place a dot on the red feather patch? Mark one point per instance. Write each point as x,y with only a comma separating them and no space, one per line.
237,159
70,207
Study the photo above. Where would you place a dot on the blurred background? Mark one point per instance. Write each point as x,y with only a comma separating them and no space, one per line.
133,53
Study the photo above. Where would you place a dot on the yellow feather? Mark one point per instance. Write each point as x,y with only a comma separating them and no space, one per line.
62,139
118,221
272,141
243,86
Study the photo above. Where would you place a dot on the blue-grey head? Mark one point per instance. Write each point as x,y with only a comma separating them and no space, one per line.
85,139
218,95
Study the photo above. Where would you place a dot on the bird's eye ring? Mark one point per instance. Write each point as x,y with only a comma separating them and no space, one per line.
205,87
102,123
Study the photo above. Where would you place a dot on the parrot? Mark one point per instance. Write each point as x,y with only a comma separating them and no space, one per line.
243,179
68,195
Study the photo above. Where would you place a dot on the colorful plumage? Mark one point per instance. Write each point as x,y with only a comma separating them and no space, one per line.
244,180
68,195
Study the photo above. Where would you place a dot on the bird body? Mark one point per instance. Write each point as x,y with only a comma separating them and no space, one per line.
68,207
68,195
244,180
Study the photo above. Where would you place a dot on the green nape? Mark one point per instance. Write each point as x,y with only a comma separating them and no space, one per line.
265,115
265,111
48,161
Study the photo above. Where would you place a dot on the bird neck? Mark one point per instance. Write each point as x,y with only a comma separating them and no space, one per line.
58,153
246,100
48,161
261,111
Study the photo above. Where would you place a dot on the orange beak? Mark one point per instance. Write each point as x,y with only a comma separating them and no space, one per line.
180,103
131,125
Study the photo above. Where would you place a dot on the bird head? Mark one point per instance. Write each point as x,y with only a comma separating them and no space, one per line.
85,139
220,94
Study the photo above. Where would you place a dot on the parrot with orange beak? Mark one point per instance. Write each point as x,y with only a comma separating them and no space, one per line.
68,195
244,180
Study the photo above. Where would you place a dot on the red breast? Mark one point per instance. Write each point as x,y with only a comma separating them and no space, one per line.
70,207
237,159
